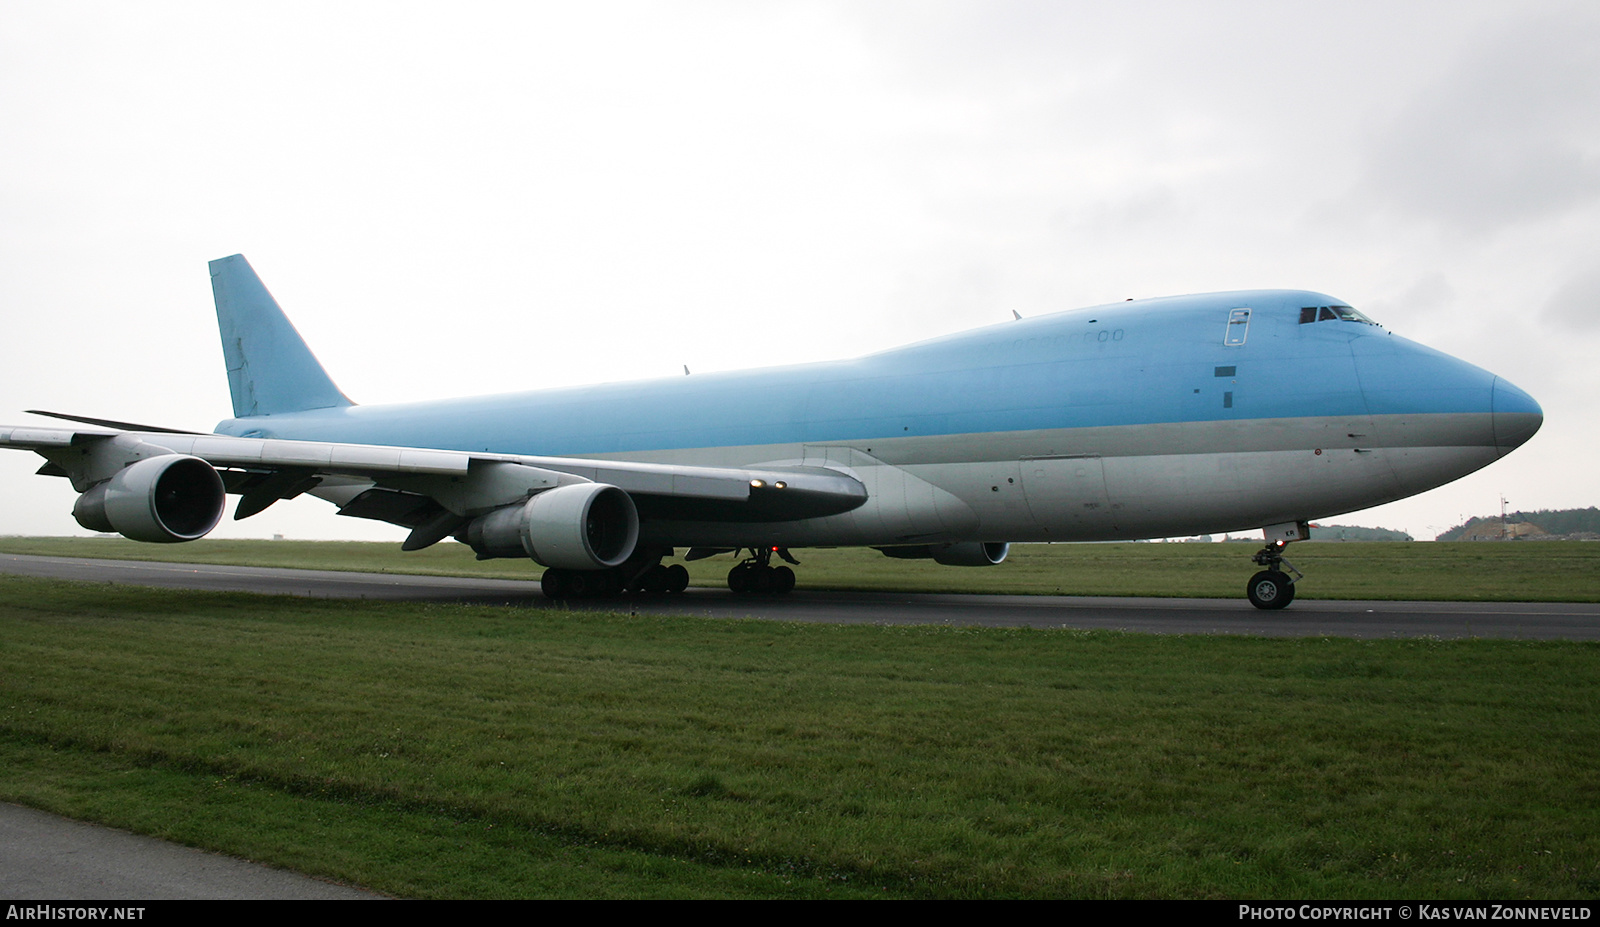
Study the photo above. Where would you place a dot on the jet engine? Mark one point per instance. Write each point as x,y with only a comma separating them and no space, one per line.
968,553
972,553
164,499
581,526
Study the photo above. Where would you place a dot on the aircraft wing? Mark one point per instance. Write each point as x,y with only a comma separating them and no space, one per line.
432,491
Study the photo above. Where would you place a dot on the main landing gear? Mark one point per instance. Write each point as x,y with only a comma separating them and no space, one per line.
756,575
1272,588
644,574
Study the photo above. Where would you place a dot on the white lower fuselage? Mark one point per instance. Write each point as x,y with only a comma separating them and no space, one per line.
1107,483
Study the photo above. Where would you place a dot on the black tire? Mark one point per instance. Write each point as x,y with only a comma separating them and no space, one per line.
782,581
654,579
552,585
1270,589
739,579
677,578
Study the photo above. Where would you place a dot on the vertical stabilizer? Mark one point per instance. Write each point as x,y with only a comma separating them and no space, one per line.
270,369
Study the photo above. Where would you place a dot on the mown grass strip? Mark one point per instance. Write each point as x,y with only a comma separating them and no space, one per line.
1544,571
452,751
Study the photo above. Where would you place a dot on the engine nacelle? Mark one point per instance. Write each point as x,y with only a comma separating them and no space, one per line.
967,553
972,553
581,526
163,499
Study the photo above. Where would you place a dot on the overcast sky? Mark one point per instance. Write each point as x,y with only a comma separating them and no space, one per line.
463,198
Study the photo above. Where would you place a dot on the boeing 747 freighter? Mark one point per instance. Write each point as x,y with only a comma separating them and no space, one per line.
1148,418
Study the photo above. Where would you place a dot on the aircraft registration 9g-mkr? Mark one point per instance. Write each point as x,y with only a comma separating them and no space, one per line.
1147,418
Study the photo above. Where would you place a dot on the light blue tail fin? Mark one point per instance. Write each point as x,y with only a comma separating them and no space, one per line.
270,369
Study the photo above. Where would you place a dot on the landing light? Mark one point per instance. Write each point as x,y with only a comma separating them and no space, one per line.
757,484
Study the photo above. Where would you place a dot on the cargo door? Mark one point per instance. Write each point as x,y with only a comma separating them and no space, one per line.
1067,495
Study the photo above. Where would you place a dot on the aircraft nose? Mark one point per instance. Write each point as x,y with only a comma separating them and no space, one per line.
1516,416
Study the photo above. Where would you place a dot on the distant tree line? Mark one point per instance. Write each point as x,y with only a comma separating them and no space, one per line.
1550,521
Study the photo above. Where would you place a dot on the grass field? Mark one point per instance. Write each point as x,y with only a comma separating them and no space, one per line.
463,752
1546,571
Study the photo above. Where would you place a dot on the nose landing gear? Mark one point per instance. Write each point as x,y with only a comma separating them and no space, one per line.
1272,588
757,576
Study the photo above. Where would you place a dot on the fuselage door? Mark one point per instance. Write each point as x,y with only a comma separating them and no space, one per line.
1238,327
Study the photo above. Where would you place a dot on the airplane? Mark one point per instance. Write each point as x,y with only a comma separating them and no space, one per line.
1187,415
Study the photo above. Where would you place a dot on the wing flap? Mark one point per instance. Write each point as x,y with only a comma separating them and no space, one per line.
30,438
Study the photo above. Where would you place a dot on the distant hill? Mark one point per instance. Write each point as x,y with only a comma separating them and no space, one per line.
1545,523
1354,533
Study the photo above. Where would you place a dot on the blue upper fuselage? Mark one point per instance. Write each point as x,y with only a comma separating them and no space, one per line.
1172,360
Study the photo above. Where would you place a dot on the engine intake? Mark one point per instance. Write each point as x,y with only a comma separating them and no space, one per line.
582,526
165,500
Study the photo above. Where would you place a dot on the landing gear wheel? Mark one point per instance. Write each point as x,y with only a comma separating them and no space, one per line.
677,578
757,576
1270,589
551,584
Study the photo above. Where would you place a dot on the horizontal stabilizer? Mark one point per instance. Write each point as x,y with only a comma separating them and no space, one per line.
109,423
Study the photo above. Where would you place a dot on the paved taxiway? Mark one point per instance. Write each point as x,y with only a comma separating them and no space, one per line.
43,856
1307,617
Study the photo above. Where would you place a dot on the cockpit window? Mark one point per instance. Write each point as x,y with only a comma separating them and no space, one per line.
1311,314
